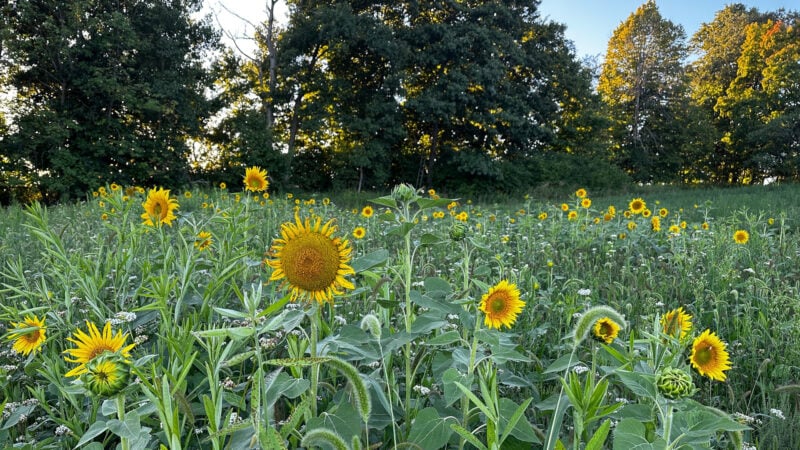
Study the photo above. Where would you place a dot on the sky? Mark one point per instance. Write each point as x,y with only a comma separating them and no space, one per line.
590,23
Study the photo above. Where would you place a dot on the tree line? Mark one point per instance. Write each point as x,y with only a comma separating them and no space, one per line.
469,96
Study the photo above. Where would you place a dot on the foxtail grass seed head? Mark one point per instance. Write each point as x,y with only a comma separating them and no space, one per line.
589,318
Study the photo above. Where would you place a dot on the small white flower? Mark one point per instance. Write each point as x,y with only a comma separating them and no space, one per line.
422,390
580,368
777,413
585,292
61,430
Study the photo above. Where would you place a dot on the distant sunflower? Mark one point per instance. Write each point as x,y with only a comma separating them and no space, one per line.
159,207
709,356
606,330
223,186
646,213
367,211
501,305
93,344
580,193
631,226
203,241
741,236
572,215
637,206
663,212
676,323
564,207
359,233
655,224
674,229
462,216
586,202
704,225
28,335
255,179
543,216
310,260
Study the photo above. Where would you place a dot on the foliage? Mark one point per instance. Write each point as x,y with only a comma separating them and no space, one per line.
223,359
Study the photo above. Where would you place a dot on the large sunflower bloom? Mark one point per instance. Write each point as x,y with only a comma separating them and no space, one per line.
709,356
606,330
501,305
741,236
637,205
28,335
95,343
255,179
676,323
159,207
310,260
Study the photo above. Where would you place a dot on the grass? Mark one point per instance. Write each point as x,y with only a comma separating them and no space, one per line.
224,359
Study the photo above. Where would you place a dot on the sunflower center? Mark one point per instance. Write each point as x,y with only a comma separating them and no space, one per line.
31,337
498,303
99,350
704,355
158,210
605,329
311,262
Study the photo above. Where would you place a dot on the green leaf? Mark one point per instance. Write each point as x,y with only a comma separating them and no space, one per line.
641,384
451,392
370,260
599,437
230,313
469,437
431,239
562,363
429,430
94,430
129,428
235,333
631,435
425,203
445,338
341,418
385,201
400,230
514,423
17,415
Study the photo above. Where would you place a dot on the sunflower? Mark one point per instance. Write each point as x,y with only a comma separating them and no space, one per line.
741,236
564,207
674,229
631,226
543,216
359,233
663,212
646,213
255,179
655,223
501,305
203,241
580,193
159,207
637,205
28,335
367,211
310,260
709,356
106,374
462,216
704,225
586,202
606,330
223,186
572,215
676,323
95,343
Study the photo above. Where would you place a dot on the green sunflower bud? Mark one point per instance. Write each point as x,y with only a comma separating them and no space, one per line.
106,374
458,232
404,193
674,383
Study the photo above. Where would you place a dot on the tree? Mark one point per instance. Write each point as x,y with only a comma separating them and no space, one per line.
644,85
108,91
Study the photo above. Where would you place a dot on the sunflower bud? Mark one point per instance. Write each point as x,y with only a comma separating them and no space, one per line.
674,383
106,374
404,193
458,231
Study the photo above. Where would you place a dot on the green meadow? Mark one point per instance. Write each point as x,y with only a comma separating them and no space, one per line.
347,321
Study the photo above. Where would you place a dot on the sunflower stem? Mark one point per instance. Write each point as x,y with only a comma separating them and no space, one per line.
473,353
315,318
121,417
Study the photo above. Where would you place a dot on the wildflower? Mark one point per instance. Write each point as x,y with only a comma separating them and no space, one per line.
104,216
255,179
585,292
676,323
580,193
542,216
223,186
741,236
646,213
203,241
709,356
187,194
770,221
682,225
704,225
564,207
586,202
777,413
655,224
359,233
663,212
637,206
462,216
674,229
631,226
93,344
367,211
572,215
310,260
28,335
159,207
606,330
501,305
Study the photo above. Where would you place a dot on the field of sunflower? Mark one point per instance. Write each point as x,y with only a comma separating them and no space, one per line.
233,318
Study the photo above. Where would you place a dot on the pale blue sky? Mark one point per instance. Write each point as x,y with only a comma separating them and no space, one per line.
591,22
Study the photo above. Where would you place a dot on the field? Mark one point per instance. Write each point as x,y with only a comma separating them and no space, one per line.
250,321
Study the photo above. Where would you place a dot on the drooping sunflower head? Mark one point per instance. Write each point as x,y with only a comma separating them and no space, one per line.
28,335
655,223
637,205
310,260
255,179
741,236
159,207
676,323
709,356
501,305
606,330
88,346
